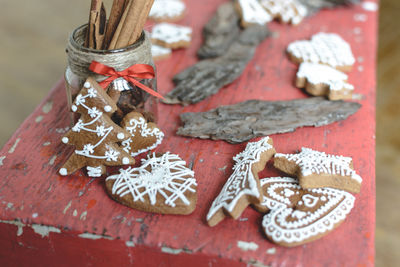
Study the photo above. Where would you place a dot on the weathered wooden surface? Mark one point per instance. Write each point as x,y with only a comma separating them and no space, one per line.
208,76
62,209
253,118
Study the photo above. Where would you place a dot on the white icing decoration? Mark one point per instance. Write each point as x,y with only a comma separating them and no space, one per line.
167,9
171,33
325,48
309,200
168,176
277,200
63,171
288,11
120,84
125,161
288,192
74,108
279,228
242,181
107,108
120,136
370,6
87,85
65,140
323,74
101,130
94,171
145,131
253,13
315,162
159,51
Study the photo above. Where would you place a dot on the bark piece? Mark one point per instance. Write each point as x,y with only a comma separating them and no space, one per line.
314,5
243,121
208,76
220,31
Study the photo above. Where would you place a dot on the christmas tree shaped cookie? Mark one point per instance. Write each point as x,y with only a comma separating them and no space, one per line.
95,136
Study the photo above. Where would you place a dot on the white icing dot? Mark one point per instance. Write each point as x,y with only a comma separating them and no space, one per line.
87,85
65,140
63,171
125,161
74,108
107,108
120,136
370,6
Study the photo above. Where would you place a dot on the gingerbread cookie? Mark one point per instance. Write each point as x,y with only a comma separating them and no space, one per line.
252,13
315,213
322,80
287,11
159,52
167,10
144,135
171,35
95,136
324,48
317,169
163,184
243,186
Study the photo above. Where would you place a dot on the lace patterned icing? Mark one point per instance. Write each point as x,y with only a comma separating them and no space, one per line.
171,33
315,162
323,74
242,181
288,11
139,126
325,48
253,13
277,200
167,9
294,225
166,176
159,51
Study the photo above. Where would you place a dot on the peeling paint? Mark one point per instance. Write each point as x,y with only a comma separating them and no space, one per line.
94,236
10,206
67,207
245,246
12,149
83,216
243,219
175,251
130,244
62,130
47,107
1,160
39,119
35,215
19,224
223,169
52,160
75,213
44,230
257,263
46,143
271,251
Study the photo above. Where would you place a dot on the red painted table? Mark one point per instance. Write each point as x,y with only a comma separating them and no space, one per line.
48,220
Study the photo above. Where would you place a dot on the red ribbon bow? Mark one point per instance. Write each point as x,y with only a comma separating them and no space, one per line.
141,71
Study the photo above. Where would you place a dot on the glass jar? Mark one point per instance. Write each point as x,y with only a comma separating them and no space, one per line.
127,96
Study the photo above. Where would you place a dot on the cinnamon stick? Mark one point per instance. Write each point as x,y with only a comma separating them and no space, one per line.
133,21
117,10
100,28
94,23
142,20
121,23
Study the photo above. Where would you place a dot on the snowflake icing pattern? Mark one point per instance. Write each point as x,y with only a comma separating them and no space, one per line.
168,177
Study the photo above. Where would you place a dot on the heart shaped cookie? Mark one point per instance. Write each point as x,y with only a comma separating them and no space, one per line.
315,213
145,136
163,184
324,48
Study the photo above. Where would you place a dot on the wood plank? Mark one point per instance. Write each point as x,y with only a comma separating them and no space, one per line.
32,191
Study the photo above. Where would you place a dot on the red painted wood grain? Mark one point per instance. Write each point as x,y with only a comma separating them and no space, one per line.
33,193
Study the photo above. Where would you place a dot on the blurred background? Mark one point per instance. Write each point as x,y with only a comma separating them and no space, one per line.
32,60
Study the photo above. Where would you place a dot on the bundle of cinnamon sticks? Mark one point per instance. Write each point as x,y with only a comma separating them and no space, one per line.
124,26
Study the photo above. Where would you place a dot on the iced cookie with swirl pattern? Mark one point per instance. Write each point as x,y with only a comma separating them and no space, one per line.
322,80
243,186
95,136
316,169
171,35
167,10
162,184
286,11
315,213
323,48
144,136
252,13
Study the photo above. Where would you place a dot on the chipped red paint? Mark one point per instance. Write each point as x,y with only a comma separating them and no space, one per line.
35,194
